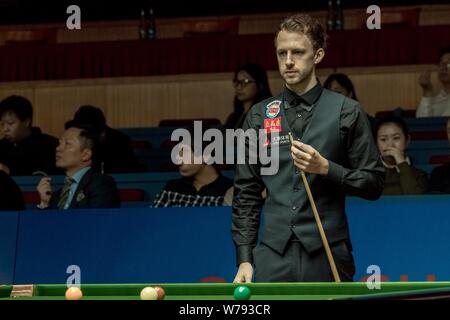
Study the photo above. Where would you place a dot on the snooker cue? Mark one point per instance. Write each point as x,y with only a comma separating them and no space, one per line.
319,224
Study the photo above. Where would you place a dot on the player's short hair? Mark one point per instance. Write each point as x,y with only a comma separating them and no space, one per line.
18,105
395,120
304,23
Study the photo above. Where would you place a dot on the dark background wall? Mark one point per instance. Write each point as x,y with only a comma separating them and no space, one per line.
27,11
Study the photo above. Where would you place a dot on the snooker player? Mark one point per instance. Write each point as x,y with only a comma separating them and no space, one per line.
334,148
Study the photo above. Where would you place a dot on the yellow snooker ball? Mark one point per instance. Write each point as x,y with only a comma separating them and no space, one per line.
149,293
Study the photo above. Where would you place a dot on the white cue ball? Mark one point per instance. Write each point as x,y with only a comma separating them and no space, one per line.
149,293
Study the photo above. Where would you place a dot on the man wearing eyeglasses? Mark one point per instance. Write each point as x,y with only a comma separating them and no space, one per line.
432,105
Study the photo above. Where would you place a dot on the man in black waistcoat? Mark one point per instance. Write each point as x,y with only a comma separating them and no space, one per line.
334,147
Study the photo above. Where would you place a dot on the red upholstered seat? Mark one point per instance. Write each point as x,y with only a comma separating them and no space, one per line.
408,113
168,167
428,135
439,159
141,145
127,195
168,144
31,197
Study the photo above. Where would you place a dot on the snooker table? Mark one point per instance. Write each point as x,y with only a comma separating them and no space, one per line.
260,291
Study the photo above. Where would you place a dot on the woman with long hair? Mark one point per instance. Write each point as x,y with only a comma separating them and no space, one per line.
251,86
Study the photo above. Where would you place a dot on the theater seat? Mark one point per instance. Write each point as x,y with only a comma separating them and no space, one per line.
439,159
128,195
31,197
168,144
141,145
404,113
428,135
168,167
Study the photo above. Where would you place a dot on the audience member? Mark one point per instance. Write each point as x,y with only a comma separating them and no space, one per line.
11,197
251,86
440,176
115,152
200,184
401,176
432,105
341,83
83,186
24,149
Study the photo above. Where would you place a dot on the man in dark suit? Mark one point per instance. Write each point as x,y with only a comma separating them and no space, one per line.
83,186
336,152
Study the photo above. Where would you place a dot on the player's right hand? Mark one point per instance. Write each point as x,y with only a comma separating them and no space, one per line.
244,274
425,83
44,189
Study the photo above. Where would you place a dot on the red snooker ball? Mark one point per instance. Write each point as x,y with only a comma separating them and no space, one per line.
161,293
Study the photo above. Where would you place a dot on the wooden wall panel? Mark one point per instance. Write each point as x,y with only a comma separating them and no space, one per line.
20,91
386,88
434,15
142,104
54,106
200,98
144,101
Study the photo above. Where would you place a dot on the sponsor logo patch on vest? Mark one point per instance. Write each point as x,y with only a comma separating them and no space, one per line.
281,140
273,109
272,125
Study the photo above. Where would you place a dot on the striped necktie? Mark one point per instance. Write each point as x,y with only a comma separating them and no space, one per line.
65,192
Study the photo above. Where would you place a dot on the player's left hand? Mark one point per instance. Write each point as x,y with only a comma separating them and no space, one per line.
308,159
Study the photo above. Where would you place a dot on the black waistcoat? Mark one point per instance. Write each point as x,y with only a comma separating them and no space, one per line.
287,209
